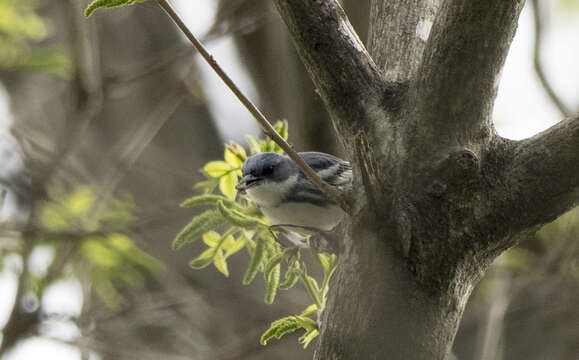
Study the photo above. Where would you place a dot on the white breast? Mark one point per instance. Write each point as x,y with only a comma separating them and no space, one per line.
304,214
269,198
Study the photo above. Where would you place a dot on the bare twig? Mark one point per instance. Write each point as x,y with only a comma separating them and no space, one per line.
88,83
135,146
538,65
3,193
268,129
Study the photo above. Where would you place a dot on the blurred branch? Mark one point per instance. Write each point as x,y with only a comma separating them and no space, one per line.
268,129
150,67
538,65
3,193
19,323
137,143
491,344
87,85
33,232
230,19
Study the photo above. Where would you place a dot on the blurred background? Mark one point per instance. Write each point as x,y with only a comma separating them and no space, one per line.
104,125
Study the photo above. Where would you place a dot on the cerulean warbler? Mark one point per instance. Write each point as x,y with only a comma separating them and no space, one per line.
284,194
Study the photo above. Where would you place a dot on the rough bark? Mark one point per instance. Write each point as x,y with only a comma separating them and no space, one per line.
398,33
439,185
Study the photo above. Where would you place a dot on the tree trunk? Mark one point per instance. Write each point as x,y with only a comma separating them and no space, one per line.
377,310
435,188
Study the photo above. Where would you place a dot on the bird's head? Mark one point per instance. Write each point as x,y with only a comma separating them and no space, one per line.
264,169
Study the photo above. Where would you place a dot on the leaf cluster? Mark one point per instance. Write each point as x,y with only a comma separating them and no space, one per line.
102,240
231,224
20,29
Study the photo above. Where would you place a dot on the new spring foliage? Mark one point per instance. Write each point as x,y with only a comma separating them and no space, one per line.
228,226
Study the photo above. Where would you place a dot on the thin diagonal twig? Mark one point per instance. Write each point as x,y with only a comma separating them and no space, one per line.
268,129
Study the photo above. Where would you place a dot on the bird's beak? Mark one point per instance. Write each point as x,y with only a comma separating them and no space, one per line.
246,182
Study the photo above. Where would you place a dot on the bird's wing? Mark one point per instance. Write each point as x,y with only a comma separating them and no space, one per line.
331,169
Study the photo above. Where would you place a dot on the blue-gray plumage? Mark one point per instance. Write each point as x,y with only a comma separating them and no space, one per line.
285,195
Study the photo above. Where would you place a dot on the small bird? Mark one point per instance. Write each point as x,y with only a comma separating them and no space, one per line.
284,194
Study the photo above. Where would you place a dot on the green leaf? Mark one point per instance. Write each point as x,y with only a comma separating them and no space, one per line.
220,263
108,4
313,289
200,224
202,260
329,262
307,338
237,218
282,128
272,263
256,260
121,242
211,238
254,147
95,250
54,218
235,155
272,283
227,185
216,169
309,310
205,199
206,186
326,260
314,283
235,246
291,278
306,322
264,145
80,201
107,292
279,328
287,327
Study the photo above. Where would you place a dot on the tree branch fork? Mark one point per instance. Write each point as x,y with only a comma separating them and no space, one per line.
416,130
382,120
453,194
458,162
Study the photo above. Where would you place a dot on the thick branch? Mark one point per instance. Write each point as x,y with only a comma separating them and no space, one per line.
398,33
458,78
542,181
344,74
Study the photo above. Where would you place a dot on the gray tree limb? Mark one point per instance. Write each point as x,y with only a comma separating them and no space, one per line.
398,33
458,78
542,179
343,72
442,189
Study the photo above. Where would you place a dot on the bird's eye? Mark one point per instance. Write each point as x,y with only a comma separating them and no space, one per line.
268,170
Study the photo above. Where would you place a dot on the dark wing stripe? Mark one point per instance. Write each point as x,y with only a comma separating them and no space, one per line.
321,161
305,191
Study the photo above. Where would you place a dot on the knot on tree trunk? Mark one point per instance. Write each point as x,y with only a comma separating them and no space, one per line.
457,170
